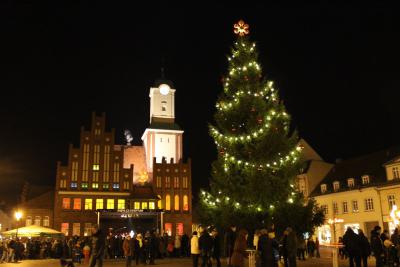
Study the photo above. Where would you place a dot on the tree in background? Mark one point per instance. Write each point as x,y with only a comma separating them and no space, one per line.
252,182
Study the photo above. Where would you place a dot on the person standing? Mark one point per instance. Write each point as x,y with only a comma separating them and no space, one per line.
317,247
129,248
216,250
194,249
268,248
365,248
239,250
395,238
377,246
291,247
205,246
229,243
352,245
97,250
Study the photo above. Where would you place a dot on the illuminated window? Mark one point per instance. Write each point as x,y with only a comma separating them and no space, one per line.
65,228
63,183
115,186
37,220
355,205
185,203
391,201
350,182
88,204
152,205
88,229
159,202
158,182
66,203
395,171
106,186
74,185
137,205
176,182
144,205
121,204
76,229
176,202
95,185
46,221
168,229
110,204
365,179
179,229
96,167
99,204
84,185
28,220
167,182
167,202
77,204
336,186
323,188
116,172
185,182
369,204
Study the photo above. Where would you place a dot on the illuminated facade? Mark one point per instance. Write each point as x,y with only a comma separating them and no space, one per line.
140,187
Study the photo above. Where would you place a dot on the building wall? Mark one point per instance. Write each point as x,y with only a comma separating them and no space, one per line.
5,221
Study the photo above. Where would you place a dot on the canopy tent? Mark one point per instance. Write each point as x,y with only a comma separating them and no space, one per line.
32,231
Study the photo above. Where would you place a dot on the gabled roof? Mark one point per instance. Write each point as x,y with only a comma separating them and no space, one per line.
395,160
371,164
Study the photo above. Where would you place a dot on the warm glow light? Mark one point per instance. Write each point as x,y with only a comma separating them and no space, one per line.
164,89
18,215
241,28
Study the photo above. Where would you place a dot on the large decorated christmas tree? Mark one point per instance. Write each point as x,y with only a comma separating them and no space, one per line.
252,182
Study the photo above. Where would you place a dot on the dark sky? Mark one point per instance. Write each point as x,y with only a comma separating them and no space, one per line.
337,69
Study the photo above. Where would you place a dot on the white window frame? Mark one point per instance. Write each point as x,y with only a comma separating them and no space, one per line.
350,182
395,172
369,204
391,201
336,186
352,206
345,204
323,188
365,179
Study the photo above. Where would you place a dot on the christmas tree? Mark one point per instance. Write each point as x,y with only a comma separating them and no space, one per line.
252,181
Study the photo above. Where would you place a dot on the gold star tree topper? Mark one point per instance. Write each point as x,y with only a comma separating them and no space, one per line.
241,28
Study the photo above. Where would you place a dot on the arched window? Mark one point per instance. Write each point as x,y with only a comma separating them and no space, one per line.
159,202
168,202
176,202
185,203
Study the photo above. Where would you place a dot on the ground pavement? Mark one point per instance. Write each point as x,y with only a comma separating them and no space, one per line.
324,261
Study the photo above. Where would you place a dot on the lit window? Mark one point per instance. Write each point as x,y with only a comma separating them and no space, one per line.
395,171
365,179
391,201
369,204
158,181
88,229
106,186
176,202
323,188
63,183
84,185
167,202
336,186
168,229
144,205
28,220
96,167
350,182
88,204
116,186
77,204
345,208
179,228
159,202
95,185
121,204
66,204
46,221
74,185
185,182
65,228
99,204
355,205
185,203
76,229
152,206
110,204
137,205
37,220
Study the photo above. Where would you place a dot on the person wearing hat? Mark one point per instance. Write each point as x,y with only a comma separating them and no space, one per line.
376,245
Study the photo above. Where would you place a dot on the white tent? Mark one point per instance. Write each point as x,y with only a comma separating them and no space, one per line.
32,231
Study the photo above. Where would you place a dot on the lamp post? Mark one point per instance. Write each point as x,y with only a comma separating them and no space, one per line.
18,216
335,246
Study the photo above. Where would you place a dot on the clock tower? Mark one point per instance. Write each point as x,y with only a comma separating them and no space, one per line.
163,138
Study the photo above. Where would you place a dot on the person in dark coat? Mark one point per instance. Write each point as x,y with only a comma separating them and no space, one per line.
229,243
377,245
97,251
290,249
365,248
205,246
216,250
129,250
267,245
239,250
352,245
395,238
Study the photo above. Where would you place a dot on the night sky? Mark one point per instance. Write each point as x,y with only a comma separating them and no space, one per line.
337,69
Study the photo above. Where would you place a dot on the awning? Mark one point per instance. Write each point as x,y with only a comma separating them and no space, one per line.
32,231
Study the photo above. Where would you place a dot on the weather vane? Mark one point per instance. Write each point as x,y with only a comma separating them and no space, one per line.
241,28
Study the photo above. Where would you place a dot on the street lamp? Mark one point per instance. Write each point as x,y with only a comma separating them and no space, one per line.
18,216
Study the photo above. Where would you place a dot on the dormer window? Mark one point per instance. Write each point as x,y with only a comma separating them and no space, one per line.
323,188
395,171
350,182
336,186
365,179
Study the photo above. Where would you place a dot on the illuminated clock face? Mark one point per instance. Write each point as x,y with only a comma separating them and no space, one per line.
164,89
